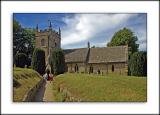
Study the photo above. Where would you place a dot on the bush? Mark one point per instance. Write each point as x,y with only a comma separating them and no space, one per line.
28,62
57,62
138,64
20,60
38,61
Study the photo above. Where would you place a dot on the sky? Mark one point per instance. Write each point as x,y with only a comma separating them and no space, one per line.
77,29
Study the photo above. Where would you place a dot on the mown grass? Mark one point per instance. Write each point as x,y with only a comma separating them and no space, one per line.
23,80
97,88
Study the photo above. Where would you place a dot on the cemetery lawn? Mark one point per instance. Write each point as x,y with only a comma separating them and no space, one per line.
98,88
23,80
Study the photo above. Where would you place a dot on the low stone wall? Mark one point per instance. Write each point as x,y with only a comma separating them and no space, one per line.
31,93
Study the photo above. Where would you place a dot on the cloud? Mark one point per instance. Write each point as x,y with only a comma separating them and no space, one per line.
83,27
143,46
142,41
142,38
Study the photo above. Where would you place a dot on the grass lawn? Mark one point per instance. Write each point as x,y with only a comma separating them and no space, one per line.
98,88
23,80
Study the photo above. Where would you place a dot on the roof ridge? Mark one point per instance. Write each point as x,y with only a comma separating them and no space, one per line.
110,47
75,48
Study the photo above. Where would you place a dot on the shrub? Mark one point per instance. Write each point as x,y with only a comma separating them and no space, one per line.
38,61
28,62
138,64
20,60
57,62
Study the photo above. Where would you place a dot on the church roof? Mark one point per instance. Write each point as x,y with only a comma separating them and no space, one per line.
108,54
97,55
76,55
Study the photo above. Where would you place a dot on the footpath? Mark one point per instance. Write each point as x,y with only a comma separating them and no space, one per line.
45,93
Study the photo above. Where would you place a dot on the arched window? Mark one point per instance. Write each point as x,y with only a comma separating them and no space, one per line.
42,42
112,68
98,71
76,68
91,69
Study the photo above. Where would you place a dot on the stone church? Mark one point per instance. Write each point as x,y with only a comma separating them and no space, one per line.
102,60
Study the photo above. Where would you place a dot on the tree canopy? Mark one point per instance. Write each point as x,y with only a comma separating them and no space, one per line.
23,40
125,37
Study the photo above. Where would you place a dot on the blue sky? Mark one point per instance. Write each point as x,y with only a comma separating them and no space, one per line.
79,28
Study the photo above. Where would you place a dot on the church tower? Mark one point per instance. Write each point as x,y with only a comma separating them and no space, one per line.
47,39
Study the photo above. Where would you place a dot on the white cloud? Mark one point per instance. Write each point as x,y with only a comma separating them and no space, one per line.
142,40
143,46
82,27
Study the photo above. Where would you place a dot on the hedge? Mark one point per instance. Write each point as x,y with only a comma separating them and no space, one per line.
38,61
20,60
138,64
57,61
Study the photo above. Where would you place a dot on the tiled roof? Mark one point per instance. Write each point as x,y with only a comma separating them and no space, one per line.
76,55
108,54
97,55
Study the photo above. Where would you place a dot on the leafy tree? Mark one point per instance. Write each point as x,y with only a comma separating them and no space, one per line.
38,61
20,60
93,46
23,40
125,37
138,64
16,36
57,61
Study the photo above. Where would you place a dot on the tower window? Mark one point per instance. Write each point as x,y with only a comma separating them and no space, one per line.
55,44
42,42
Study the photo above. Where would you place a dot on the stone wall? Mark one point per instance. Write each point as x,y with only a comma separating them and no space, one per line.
71,67
104,68
117,68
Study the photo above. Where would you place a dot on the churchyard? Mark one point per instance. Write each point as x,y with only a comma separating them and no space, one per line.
78,87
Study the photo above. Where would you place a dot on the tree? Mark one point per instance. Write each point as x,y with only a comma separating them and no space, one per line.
138,64
57,61
16,36
125,37
20,60
93,46
23,40
38,61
